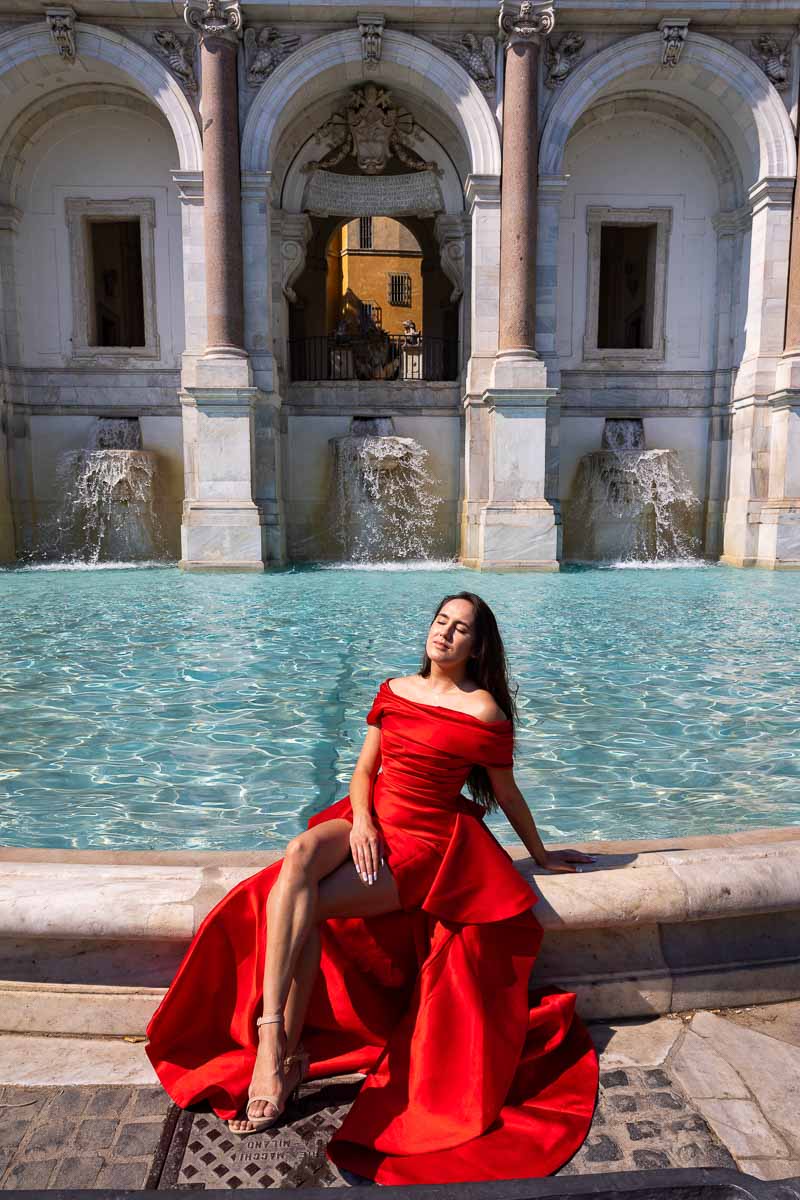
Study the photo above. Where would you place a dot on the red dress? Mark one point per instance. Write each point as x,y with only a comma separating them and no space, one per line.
465,1080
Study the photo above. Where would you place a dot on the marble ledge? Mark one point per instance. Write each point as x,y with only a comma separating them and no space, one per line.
144,897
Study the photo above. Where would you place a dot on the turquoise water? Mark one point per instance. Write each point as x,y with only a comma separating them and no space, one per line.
155,709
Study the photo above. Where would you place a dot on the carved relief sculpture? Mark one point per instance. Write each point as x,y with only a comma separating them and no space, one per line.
265,51
476,54
179,53
774,61
214,19
295,236
449,233
674,32
370,26
372,130
62,30
559,60
531,22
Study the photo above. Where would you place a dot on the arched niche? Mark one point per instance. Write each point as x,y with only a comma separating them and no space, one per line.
430,79
30,65
714,77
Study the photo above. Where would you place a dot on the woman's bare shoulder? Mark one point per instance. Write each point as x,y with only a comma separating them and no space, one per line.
406,686
486,707
476,703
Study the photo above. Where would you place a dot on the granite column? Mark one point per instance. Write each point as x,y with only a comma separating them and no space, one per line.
520,174
519,528
223,528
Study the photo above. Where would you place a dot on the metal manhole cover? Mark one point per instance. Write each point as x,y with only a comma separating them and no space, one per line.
291,1155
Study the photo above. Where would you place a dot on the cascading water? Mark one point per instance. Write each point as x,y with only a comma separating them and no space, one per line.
107,514
384,506
629,503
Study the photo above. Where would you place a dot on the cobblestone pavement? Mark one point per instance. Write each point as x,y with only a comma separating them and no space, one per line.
703,1090
642,1123
83,1137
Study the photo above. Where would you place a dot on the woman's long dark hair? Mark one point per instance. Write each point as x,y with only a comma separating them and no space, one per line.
487,667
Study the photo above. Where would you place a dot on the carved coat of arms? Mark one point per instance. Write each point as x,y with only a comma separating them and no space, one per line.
372,130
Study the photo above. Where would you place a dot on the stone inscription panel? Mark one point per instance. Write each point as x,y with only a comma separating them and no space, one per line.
367,195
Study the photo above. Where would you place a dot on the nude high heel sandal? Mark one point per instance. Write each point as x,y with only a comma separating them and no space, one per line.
300,1057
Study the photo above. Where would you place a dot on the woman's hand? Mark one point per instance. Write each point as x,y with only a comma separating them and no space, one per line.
565,860
366,846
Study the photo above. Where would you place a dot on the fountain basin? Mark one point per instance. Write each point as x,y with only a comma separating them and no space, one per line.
654,927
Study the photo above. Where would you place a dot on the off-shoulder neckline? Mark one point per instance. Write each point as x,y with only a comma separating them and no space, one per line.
457,711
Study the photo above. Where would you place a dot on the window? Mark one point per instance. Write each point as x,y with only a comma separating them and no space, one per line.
370,314
365,233
116,310
112,259
625,313
400,290
626,283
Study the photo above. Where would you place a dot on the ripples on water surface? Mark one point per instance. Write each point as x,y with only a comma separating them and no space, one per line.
156,709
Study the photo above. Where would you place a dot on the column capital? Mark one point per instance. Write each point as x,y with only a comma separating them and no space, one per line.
214,19
531,22
481,189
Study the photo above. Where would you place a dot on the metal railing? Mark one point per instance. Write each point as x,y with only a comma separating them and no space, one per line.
377,356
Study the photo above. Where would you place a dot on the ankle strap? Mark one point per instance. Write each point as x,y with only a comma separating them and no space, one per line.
273,1019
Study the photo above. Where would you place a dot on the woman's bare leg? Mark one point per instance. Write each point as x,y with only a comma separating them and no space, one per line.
300,898
305,976
291,916
341,893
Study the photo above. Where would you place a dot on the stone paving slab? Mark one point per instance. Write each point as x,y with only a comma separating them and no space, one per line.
641,1123
698,1090
38,1061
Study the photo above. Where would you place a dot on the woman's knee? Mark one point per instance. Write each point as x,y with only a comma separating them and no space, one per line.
300,858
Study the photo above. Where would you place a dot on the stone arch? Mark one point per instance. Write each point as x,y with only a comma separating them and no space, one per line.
34,120
688,120
407,62
450,186
24,50
748,109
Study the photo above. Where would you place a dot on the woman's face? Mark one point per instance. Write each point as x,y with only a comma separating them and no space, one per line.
451,637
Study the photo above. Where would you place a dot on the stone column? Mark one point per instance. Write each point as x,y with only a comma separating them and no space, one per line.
518,528
9,348
730,228
748,475
219,29
223,529
779,531
518,363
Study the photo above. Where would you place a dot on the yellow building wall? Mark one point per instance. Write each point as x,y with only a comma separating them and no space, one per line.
365,273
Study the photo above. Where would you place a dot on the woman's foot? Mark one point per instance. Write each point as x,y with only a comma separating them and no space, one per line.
269,1079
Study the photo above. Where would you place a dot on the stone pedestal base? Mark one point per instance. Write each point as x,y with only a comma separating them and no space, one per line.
222,529
222,536
787,375
779,536
517,529
221,368
518,536
518,370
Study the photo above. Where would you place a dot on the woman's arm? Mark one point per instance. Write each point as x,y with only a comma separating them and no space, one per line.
366,768
512,802
365,841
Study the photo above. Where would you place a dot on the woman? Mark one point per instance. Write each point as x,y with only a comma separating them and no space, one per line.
397,937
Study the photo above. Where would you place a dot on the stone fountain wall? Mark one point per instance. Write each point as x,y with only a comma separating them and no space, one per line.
317,413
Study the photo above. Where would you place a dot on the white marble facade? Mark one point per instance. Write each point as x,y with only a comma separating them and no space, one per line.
703,147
